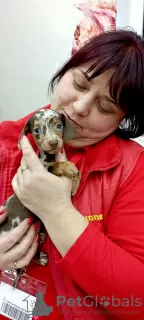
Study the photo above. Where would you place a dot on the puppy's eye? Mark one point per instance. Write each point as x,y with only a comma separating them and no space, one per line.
58,126
37,130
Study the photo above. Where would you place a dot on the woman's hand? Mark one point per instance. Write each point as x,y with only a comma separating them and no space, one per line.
49,197
23,252
40,191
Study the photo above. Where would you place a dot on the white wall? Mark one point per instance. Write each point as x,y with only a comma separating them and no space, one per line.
130,14
36,37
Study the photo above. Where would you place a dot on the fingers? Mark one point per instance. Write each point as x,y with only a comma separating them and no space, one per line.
23,176
26,259
23,163
30,157
21,248
15,186
22,252
14,236
19,178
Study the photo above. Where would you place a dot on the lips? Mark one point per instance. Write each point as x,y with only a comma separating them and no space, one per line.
73,121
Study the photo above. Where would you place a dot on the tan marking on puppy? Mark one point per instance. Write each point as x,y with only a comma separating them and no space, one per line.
69,170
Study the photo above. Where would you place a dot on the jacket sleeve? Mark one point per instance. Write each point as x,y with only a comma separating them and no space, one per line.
112,264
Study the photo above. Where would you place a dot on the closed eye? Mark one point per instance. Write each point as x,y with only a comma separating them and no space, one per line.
79,81
78,86
104,110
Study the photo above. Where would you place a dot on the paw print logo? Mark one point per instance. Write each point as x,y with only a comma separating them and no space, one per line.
105,301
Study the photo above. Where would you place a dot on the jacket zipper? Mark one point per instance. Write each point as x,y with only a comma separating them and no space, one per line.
57,282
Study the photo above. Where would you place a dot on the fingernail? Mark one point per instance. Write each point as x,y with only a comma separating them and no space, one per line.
36,226
38,238
2,212
30,220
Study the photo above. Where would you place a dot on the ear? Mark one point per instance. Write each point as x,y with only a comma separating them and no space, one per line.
26,129
62,118
69,131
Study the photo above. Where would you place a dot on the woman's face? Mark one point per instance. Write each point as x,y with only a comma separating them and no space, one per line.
88,105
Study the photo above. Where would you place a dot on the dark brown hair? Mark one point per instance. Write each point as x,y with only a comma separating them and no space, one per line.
122,50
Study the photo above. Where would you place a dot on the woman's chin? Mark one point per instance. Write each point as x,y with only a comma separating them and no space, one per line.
78,143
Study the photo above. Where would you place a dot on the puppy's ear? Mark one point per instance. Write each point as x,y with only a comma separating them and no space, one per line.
69,129
62,118
26,129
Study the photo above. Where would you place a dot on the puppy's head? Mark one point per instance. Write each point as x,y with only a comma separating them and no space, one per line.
49,129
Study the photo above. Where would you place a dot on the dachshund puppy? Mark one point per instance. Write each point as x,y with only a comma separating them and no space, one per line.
49,129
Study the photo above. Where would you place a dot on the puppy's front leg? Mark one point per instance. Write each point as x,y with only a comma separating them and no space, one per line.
69,170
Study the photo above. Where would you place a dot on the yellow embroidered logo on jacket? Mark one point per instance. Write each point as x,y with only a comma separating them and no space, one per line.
95,217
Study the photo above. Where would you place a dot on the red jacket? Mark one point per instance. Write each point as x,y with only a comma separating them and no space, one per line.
107,260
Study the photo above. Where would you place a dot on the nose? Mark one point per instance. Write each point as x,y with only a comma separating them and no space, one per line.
53,143
82,107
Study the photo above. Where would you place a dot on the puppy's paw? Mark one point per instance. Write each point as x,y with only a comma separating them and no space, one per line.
72,172
75,184
69,170
42,237
43,259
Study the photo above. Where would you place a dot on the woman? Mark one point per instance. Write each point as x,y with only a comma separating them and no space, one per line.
95,241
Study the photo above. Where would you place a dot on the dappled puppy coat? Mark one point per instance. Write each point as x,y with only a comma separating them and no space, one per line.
49,129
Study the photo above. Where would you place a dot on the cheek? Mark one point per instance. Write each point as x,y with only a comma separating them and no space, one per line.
104,123
64,96
63,93
59,97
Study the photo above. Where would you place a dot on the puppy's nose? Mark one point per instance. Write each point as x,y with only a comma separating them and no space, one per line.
53,143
